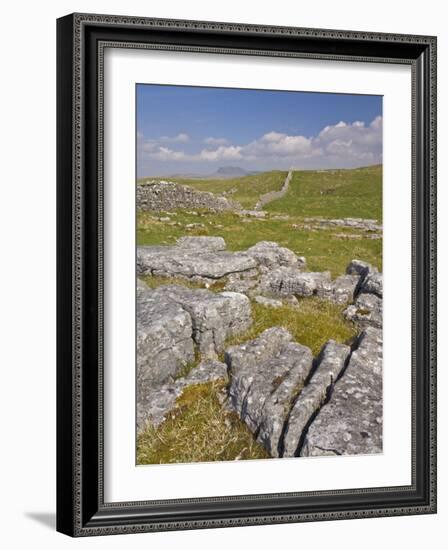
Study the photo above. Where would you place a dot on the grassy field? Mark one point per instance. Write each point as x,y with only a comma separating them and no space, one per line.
353,193
245,190
328,194
327,249
200,428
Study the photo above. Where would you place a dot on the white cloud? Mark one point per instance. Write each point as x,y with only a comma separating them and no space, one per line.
221,153
352,142
277,145
216,141
341,144
166,154
180,138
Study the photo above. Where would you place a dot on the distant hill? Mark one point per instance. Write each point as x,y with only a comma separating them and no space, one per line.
232,171
222,173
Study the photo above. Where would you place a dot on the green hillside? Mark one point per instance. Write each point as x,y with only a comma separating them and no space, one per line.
355,193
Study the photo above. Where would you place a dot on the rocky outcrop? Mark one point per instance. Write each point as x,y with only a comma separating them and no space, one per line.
265,269
363,224
295,406
214,316
266,374
367,311
269,254
191,263
274,195
351,422
164,337
205,258
330,364
357,267
373,284
341,290
161,196
259,214
154,403
285,281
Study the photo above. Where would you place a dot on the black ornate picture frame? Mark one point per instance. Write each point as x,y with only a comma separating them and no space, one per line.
81,508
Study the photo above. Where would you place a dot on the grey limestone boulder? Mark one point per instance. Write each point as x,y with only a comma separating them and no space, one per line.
373,284
270,254
330,363
191,263
252,213
164,337
341,290
265,376
285,281
242,282
172,320
214,317
154,403
366,311
351,422
205,258
358,267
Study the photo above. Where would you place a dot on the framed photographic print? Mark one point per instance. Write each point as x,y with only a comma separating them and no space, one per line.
246,274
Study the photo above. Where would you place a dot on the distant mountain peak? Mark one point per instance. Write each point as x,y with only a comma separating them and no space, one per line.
232,171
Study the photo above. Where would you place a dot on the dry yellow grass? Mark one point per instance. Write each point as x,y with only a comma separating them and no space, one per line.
200,429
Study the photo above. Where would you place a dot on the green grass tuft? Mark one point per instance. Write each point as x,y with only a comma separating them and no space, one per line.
312,323
200,429
156,281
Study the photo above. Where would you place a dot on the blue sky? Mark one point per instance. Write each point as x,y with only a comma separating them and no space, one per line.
183,130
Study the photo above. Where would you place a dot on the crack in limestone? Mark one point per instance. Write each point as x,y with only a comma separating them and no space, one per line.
154,272
334,451
328,393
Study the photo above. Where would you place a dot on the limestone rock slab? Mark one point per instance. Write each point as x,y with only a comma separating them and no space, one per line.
180,261
164,338
285,281
265,375
351,422
330,363
366,311
214,317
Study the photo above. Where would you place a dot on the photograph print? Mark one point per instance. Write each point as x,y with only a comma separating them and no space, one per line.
258,274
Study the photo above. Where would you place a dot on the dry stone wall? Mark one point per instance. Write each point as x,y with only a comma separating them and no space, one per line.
274,195
158,196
